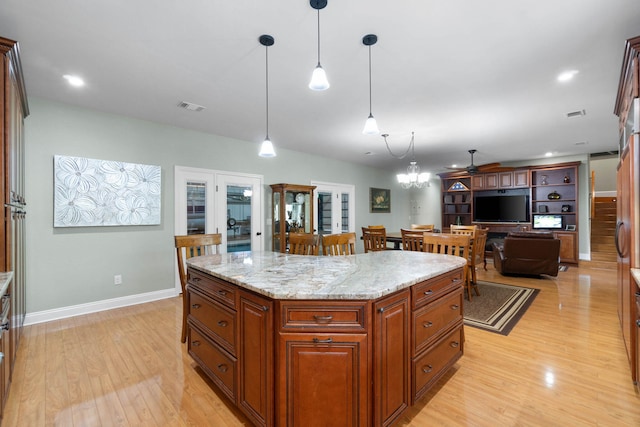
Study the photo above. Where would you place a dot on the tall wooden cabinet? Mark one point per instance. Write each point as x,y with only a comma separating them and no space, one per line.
627,108
292,212
13,110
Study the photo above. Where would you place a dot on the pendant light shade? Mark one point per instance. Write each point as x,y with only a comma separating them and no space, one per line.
266,150
370,126
319,79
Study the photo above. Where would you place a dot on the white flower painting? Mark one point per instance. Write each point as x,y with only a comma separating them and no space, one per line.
90,192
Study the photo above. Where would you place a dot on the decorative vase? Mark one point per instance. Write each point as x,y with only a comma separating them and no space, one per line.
567,179
544,180
553,196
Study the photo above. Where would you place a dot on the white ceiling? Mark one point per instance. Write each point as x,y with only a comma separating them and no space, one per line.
461,74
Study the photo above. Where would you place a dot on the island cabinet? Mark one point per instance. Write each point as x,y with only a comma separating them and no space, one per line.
293,362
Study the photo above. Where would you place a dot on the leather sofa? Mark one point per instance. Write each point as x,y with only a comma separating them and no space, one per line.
530,253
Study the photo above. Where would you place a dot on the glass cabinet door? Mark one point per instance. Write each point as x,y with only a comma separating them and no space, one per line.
292,212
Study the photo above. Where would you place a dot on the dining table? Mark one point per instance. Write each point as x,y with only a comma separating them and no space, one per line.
395,237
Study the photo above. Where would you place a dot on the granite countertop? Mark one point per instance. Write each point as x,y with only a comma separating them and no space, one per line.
5,279
362,276
635,273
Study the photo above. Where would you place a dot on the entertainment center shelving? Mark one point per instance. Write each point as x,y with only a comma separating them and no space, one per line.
552,190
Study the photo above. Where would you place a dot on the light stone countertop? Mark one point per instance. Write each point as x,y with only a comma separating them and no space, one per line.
5,279
360,277
635,272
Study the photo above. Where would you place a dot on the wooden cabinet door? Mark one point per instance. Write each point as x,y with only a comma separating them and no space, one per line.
255,359
568,247
505,179
521,178
491,181
323,380
477,182
392,357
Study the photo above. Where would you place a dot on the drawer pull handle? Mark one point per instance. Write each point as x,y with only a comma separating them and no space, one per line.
427,369
195,343
429,292
456,280
195,306
319,341
638,323
455,307
427,324
222,292
454,344
223,368
265,308
195,279
323,318
223,323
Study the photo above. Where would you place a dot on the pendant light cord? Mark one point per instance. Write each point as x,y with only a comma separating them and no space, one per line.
370,109
318,37
267,85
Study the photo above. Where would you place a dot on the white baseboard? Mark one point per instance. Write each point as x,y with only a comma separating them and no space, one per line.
93,307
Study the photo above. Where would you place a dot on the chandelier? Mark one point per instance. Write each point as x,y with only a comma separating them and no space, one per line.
413,178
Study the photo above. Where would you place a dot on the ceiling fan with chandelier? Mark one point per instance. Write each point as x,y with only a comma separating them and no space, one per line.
473,169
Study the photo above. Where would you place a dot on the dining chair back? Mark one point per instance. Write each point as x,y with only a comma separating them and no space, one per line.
339,244
463,229
423,227
411,239
477,256
451,244
187,247
374,239
303,244
377,226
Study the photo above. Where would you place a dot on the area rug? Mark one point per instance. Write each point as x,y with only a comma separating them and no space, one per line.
498,307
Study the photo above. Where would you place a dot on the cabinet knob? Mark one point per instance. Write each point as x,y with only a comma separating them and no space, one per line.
427,369
223,368
454,344
196,306
223,323
455,307
195,343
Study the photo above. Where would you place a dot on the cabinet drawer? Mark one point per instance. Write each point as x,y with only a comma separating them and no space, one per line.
318,316
216,318
435,318
217,289
433,363
431,289
220,366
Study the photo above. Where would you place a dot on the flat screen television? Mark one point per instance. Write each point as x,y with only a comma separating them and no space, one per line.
501,208
547,221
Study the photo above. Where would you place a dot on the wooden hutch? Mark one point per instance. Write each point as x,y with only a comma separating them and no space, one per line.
292,211
551,190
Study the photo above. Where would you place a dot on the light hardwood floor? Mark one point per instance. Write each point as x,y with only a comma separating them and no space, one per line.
563,364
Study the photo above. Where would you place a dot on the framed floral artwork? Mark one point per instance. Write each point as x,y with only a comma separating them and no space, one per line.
91,192
379,200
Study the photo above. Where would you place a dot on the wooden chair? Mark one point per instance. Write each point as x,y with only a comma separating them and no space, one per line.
374,239
477,255
339,244
303,244
463,229
412,239
423,227
451,244
377,226
187,247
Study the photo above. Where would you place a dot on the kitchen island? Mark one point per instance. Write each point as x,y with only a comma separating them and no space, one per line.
297,340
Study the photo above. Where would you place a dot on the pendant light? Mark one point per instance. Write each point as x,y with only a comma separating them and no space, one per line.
266,150
370,126
319,77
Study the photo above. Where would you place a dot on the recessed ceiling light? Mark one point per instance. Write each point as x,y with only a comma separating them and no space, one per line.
548,154
74,81
454,166
567,75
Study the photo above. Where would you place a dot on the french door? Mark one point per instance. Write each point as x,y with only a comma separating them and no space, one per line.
334,205
209,201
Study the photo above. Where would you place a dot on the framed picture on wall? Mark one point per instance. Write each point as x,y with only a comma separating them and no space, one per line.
379,200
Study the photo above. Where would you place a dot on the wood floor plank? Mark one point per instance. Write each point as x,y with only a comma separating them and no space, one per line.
563,364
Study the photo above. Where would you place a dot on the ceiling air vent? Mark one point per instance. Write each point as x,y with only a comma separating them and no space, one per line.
578,113
191,106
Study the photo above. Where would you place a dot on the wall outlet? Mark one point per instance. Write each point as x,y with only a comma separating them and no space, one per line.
117,279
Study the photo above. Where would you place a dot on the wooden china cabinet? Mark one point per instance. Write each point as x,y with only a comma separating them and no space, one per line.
13,110
292,212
